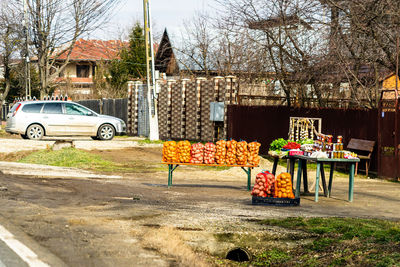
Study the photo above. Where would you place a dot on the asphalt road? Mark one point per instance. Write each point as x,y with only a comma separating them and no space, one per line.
9,258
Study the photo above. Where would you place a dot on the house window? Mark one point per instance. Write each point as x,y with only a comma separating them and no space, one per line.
82,71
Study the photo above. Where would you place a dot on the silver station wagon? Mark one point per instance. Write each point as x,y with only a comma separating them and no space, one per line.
35,119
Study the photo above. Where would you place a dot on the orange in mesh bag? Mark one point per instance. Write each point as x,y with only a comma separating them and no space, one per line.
241,153
253,157
170,152
220,152
184,148
231,152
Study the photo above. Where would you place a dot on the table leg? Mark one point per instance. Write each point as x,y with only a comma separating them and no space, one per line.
276,160
248,172
323,180
331,178
249,179
291,167
305,176
298,183
170,175
351,182
317,181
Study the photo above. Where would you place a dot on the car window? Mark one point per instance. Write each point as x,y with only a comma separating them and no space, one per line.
72,109
32,108
52,108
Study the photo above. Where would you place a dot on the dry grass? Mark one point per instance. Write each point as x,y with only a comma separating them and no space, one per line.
167,241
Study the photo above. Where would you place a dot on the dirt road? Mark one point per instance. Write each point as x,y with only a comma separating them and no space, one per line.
138,221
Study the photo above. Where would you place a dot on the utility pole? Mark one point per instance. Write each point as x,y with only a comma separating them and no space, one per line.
151,93
27,69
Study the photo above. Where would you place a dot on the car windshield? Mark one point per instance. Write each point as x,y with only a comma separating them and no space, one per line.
72,109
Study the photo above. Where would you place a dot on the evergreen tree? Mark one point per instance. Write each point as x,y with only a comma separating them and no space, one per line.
134,57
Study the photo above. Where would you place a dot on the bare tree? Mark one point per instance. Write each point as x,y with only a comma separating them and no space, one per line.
290,36
55,27
9,43
197,44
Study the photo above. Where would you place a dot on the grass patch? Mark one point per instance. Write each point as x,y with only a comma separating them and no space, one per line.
148,141
307,242
337,242
71,157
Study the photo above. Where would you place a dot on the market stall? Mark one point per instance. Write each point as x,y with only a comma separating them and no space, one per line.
221,154
321,150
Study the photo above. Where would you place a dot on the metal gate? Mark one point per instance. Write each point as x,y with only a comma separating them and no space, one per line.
143,112
388,136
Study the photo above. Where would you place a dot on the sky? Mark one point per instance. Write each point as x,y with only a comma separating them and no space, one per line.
168,14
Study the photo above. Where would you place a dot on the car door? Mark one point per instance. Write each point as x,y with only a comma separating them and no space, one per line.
81,120
54,120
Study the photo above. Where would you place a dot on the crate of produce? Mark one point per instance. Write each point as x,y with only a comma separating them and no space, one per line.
275,201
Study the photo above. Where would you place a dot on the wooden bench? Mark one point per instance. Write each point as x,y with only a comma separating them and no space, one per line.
365,147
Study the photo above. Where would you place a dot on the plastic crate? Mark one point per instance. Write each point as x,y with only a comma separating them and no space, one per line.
274,201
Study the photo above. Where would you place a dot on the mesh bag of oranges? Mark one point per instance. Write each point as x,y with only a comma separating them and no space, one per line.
220,153
253,157
184,148
170,152
283,186
241,153
231,152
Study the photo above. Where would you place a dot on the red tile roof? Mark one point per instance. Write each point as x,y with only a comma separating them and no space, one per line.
95,50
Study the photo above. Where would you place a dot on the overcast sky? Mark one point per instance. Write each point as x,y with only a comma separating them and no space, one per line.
165,14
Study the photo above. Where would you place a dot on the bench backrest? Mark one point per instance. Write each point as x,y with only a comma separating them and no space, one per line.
361,145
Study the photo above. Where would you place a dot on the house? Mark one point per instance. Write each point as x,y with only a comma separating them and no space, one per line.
85,57
165,60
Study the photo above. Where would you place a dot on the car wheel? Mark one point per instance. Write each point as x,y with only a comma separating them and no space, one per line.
94,137
106,132
35,132
24,136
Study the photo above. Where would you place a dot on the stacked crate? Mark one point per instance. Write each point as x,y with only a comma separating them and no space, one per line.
163,112
191,110
176,111
206,97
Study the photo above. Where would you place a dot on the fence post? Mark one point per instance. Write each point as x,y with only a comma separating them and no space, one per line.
218,97
130,110
183,120
169,106
199,88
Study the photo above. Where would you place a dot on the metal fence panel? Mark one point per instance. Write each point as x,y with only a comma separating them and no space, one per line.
143,112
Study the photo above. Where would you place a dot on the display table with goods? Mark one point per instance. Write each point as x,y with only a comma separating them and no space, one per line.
321,151
221,154
320,172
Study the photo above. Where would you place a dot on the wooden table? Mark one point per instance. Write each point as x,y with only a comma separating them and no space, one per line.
173,165
302,165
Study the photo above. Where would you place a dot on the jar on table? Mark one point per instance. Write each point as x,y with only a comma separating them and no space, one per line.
340,139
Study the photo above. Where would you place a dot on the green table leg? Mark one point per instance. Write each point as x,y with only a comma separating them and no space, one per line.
276,160
331,178
317,181
298,182
248,172
169,175
305,176
323,180
351,182
171,169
